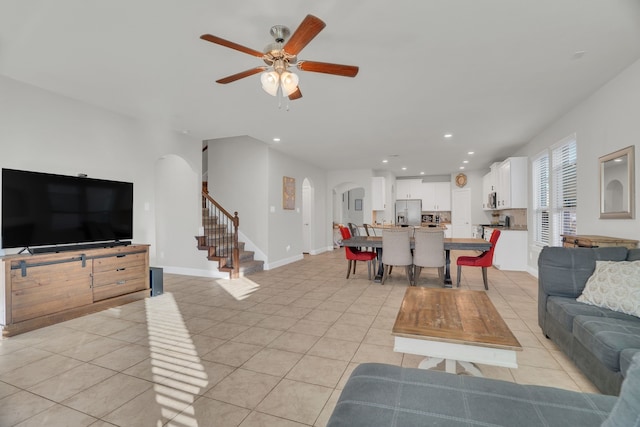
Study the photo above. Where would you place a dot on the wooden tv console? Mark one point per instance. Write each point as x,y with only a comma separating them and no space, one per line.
43,289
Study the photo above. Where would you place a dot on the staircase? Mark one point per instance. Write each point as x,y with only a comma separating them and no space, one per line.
220,240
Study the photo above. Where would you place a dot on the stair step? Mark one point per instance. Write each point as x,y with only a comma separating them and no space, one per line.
251,267
219,241
219,244
246,256
215,228
223,247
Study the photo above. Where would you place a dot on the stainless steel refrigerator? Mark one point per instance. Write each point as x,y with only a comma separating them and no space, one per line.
408,212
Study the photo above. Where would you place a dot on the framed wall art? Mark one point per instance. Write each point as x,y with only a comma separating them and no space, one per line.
288,193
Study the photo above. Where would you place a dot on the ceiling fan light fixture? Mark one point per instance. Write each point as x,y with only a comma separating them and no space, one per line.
270,81
289,82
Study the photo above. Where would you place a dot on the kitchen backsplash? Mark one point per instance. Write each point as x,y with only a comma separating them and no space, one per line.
518,217
430,216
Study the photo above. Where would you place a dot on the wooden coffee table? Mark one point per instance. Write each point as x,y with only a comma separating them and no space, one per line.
456,326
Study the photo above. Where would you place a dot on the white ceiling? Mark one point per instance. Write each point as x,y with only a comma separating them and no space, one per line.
491,72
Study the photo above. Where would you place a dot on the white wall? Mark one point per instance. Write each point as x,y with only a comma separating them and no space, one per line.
45,132
285,226
245,175
237,180
604,122
474,183
349,212
178,198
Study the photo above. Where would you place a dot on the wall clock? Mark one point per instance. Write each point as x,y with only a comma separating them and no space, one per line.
461,180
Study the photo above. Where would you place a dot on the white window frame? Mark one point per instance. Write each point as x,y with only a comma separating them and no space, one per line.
555,205
540,202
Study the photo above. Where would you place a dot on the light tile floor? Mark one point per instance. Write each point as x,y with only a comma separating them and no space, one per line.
273,349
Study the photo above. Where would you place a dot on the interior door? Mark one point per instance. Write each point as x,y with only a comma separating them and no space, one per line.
307,202
461,213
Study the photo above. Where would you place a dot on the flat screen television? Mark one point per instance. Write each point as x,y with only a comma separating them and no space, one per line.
45,209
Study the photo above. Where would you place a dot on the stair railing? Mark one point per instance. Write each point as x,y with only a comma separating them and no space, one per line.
225,243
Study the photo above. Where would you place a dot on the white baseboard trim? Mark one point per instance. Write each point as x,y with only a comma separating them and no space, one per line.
320,250
532,271
195,272
283,262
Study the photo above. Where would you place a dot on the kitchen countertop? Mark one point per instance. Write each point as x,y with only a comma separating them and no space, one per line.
502,227
424,224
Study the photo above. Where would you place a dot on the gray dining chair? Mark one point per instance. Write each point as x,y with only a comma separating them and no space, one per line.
428,252
368,228
396,251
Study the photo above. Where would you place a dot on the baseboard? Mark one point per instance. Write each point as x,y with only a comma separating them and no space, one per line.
283,262
532,271
195,272
320,250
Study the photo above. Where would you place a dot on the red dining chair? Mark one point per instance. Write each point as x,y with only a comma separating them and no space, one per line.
483,260
354,254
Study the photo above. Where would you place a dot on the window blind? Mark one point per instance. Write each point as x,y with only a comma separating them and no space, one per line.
540,170
564,190
555,193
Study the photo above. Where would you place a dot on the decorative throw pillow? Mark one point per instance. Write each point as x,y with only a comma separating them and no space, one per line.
626,411
614,285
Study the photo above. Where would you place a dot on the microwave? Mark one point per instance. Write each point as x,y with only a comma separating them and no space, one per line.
492,203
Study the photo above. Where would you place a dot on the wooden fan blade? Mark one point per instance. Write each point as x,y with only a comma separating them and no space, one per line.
241,75
232,45
306,31
296,95
327,68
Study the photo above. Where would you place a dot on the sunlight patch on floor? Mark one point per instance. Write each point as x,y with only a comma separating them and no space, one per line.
178,375
240,288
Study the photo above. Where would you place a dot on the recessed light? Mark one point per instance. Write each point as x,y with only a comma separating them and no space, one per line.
276,139
579,54
465,161
421,173
186,131
385,161
404,168
448,135
471,153
461,167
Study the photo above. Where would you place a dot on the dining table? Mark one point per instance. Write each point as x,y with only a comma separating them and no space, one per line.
450,243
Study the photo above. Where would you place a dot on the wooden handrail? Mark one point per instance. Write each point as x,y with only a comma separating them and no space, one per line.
220,208
207,203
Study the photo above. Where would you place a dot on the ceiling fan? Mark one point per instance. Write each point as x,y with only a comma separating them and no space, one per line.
282,54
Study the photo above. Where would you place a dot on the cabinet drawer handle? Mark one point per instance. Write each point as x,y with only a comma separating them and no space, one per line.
121,282
121,269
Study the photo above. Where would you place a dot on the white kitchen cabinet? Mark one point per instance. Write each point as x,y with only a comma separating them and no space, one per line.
511,250
409,189
447,230
436,196
504,185
490,185
378,193
487,188
512,183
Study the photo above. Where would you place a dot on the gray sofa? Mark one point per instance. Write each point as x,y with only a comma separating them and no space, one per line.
385,395
601,342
